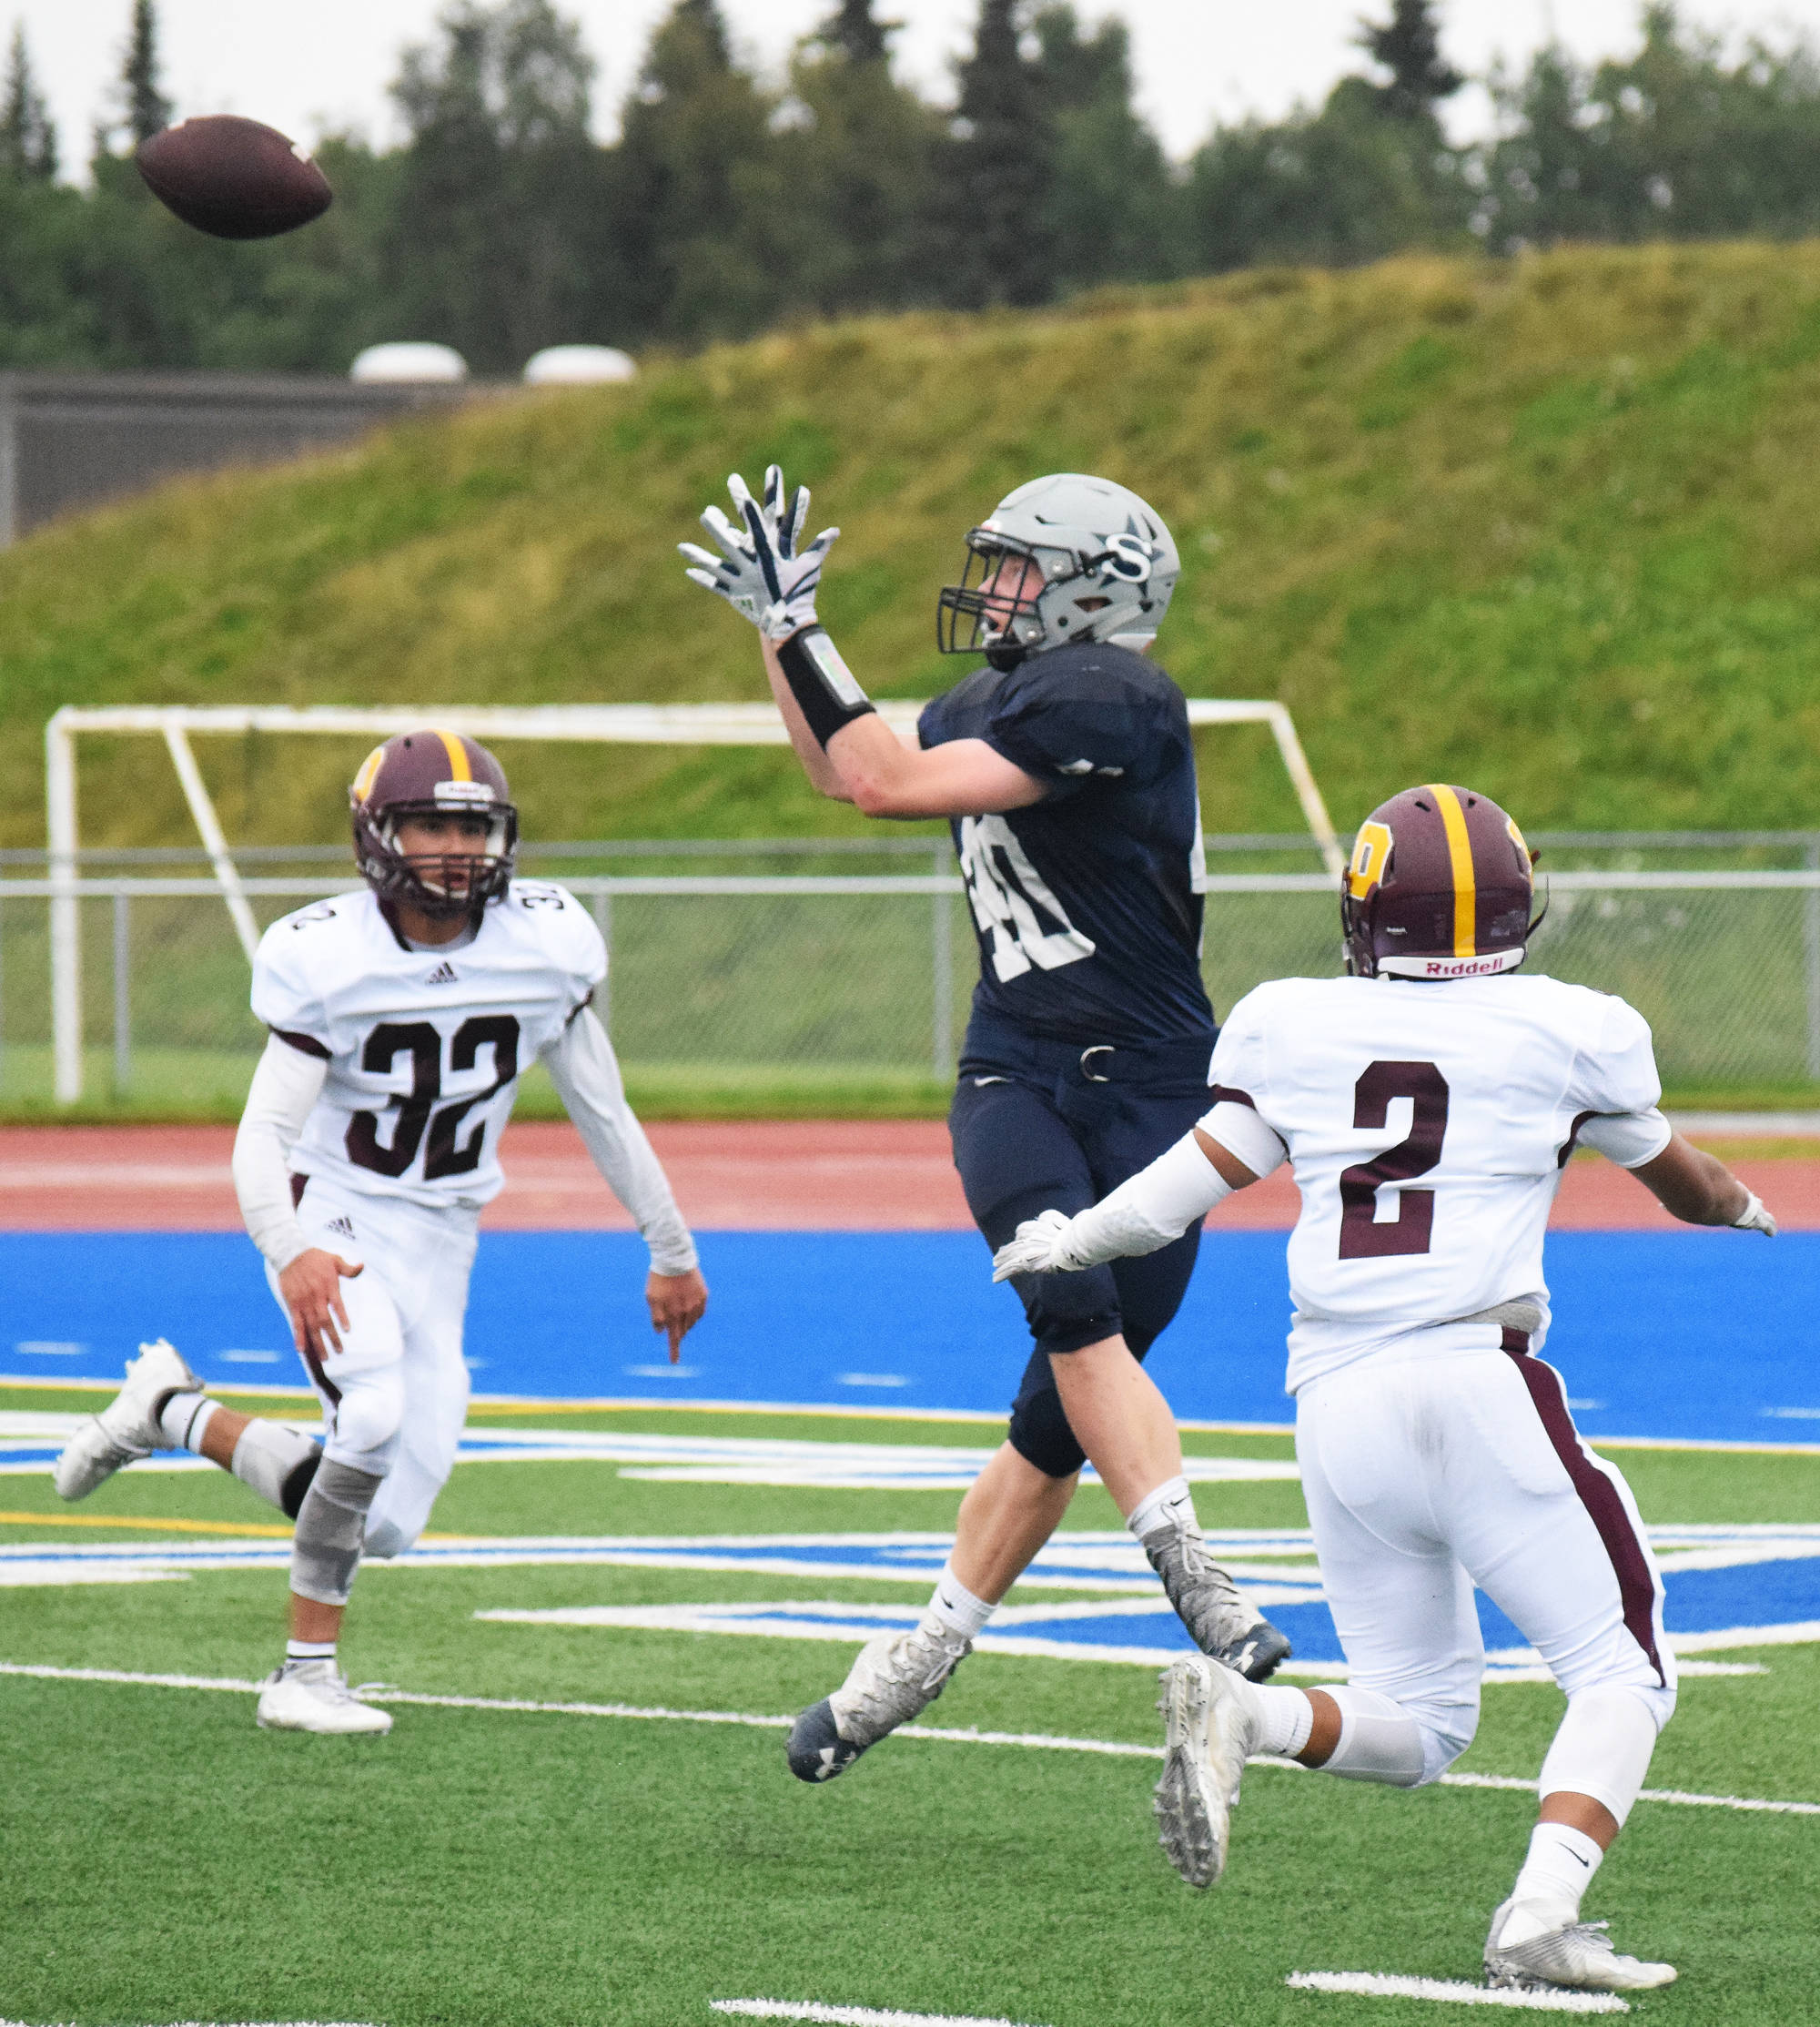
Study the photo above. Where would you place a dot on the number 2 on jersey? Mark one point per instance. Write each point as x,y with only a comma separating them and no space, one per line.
1361,1236
419,1041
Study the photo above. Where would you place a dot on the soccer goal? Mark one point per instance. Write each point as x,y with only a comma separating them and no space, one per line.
699,724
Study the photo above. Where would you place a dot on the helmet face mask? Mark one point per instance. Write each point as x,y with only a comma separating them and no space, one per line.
433,777
1440,887
1107,570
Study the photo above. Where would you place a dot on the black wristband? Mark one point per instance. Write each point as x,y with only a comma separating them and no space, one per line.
822,684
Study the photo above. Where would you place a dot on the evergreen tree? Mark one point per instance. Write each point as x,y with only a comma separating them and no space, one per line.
495,187
1409,47
852,32
860,169
996,173
147,110
706,235
28,142
1113,211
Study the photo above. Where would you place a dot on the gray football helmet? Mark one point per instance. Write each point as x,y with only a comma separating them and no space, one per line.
1109,563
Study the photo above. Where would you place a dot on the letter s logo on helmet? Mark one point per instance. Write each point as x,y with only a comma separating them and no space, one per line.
1127,558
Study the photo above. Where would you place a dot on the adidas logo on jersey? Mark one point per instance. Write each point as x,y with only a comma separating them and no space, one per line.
343,1228
443,975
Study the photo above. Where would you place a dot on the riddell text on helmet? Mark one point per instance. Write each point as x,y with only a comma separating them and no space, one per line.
1457,968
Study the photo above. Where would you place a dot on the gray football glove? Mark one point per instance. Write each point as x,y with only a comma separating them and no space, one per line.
760,572
1041,1247
1756,1215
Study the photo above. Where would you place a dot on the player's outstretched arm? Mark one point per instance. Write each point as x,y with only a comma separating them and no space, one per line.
765,571
1155,1207
586,1074
1699,1189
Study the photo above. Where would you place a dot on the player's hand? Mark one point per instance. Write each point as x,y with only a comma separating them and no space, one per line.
1756,1216
1041,1247
311,1288
677,1302
761,571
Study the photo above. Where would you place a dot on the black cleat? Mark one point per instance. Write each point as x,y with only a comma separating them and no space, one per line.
815,1748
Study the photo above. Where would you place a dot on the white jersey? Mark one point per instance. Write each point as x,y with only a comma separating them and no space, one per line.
424,1047
1428,1125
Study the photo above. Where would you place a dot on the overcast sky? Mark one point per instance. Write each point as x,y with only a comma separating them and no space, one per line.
326,64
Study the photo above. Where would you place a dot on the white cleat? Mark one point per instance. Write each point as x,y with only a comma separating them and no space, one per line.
314,1695
891,1680
1576,1956
1208,1733
127,1429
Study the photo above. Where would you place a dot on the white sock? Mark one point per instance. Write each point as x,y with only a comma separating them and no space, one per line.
954,1608
298,1651
1171,1504
1285,1719
182,1420
1559,1869
1379,1740
265,1458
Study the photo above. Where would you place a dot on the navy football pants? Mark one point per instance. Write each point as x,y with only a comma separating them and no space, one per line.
1033,1131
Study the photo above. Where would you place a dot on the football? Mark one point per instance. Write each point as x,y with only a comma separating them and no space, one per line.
234,177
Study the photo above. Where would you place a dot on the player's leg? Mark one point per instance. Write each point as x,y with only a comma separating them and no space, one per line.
1098,1392
362,1389
1403,1607
164,1406
1553,1536
1017,1156
435,1395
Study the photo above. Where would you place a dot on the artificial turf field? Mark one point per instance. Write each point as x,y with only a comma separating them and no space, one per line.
169,1862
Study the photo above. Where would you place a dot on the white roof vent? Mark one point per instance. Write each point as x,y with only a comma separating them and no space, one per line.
578,366
409,361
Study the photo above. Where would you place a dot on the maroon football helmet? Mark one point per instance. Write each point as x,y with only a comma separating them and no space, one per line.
433,774
1440,887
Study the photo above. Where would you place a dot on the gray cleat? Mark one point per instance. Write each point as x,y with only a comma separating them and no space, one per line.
127,1429
894,1677
1221,1620
1207,1736
1576,1957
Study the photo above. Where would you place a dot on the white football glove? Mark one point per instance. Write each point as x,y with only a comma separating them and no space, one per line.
1041,1247
760,572
1756,1216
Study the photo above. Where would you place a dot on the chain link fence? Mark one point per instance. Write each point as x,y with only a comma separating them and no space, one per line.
811,971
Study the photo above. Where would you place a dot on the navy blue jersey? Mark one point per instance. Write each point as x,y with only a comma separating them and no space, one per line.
1088,905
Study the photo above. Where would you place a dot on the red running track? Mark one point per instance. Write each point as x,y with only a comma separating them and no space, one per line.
826,1175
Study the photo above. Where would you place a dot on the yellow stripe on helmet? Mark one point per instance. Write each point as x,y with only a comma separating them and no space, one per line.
1460,854
369,767
458,769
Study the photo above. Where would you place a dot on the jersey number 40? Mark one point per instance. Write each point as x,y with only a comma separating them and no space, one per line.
1362,1235
417,1114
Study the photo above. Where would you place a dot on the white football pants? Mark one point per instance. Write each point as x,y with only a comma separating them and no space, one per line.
1426,1476
395,1396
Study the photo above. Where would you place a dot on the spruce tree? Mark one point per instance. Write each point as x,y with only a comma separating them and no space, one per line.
1409,47
147,110
995,181
28,144
856,33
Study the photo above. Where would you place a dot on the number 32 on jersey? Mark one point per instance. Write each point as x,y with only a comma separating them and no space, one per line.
417,1118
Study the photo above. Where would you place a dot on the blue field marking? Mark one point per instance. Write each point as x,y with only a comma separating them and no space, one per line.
1764,1590
1701,1334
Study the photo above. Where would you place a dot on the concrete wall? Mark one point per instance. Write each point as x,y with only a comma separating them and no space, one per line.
69,440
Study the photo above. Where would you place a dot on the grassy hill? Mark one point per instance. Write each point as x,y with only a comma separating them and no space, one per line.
1546,527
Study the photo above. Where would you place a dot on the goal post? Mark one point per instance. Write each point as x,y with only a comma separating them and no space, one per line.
699,724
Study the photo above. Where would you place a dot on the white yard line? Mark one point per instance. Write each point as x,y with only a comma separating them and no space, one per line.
841,2016
1037,1741
1377,1984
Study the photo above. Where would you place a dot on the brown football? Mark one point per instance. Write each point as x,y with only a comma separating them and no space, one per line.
234,177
